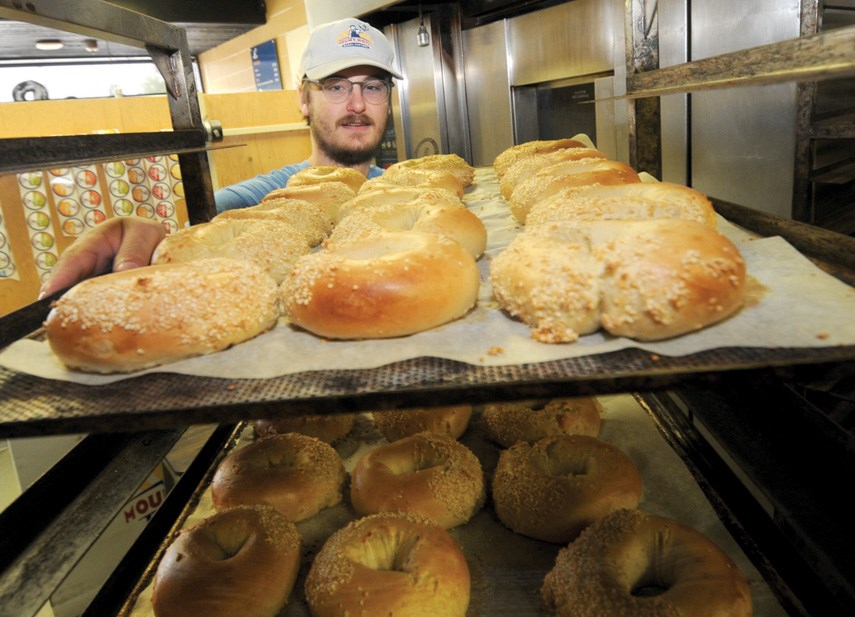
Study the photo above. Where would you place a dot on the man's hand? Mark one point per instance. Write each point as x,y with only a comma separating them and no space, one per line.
122,242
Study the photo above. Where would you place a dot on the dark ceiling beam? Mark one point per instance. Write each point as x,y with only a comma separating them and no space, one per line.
248,12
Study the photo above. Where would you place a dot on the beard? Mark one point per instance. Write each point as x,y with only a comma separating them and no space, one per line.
352,154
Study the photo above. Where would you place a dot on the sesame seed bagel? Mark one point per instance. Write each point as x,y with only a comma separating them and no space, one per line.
422,178
553,489
549,180
637,201
391,284
524,168
131,320
646,280
530,421
389,564
454,163
329,428
272,245
511,155
330,195
393,194
429,474
310,219
668,277
453,220
318,174
296,474
634,563
395,424
551,285
241,561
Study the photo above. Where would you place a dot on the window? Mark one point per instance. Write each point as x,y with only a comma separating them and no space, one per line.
57,79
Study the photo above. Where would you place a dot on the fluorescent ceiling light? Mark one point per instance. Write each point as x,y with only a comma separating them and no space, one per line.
49,44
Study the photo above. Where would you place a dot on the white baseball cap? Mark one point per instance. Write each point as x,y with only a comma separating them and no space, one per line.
345,43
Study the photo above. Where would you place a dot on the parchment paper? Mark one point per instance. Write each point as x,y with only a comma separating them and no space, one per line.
792,303
507,569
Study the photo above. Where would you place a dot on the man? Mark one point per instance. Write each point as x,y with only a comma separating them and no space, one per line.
346,76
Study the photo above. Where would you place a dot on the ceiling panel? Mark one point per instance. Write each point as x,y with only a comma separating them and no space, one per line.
208,23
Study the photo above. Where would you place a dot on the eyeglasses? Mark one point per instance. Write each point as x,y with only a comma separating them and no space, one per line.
339,89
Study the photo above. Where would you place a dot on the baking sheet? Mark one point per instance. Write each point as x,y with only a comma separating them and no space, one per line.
791,303
507,569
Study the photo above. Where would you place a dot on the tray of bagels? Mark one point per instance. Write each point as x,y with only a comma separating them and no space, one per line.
572,506
599,250
552,255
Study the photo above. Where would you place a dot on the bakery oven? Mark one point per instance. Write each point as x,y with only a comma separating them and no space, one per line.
553,110
485,81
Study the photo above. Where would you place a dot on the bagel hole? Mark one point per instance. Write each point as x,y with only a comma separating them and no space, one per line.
378,247
400,218
556,463
648,589
420,460
230,542
538,405
652,582
559,468
386,552
282,458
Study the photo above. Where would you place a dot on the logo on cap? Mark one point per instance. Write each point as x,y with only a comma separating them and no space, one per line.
356,35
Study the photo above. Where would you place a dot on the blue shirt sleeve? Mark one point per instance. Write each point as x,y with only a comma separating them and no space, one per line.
250,192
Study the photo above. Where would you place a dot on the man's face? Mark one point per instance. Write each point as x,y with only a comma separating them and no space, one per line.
347,132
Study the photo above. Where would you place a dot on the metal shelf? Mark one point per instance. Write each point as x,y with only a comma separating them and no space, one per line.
826,55
167,46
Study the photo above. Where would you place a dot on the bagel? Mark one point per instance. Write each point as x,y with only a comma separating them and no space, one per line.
241,561
525,167
329,428
310,219
318,174
421,178
135,319
530,421
296,474
271,245
551,285
634,563
511,155
454,163
429,474
392,284
637,201
549,180
645,280
452,220
394,194
389,564
330,195
29,90
396,424
554,488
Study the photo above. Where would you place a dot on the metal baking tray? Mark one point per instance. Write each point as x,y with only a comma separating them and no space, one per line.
507,569
32,405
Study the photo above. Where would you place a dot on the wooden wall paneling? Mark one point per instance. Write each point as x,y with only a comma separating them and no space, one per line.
228,67
81,116
270,133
